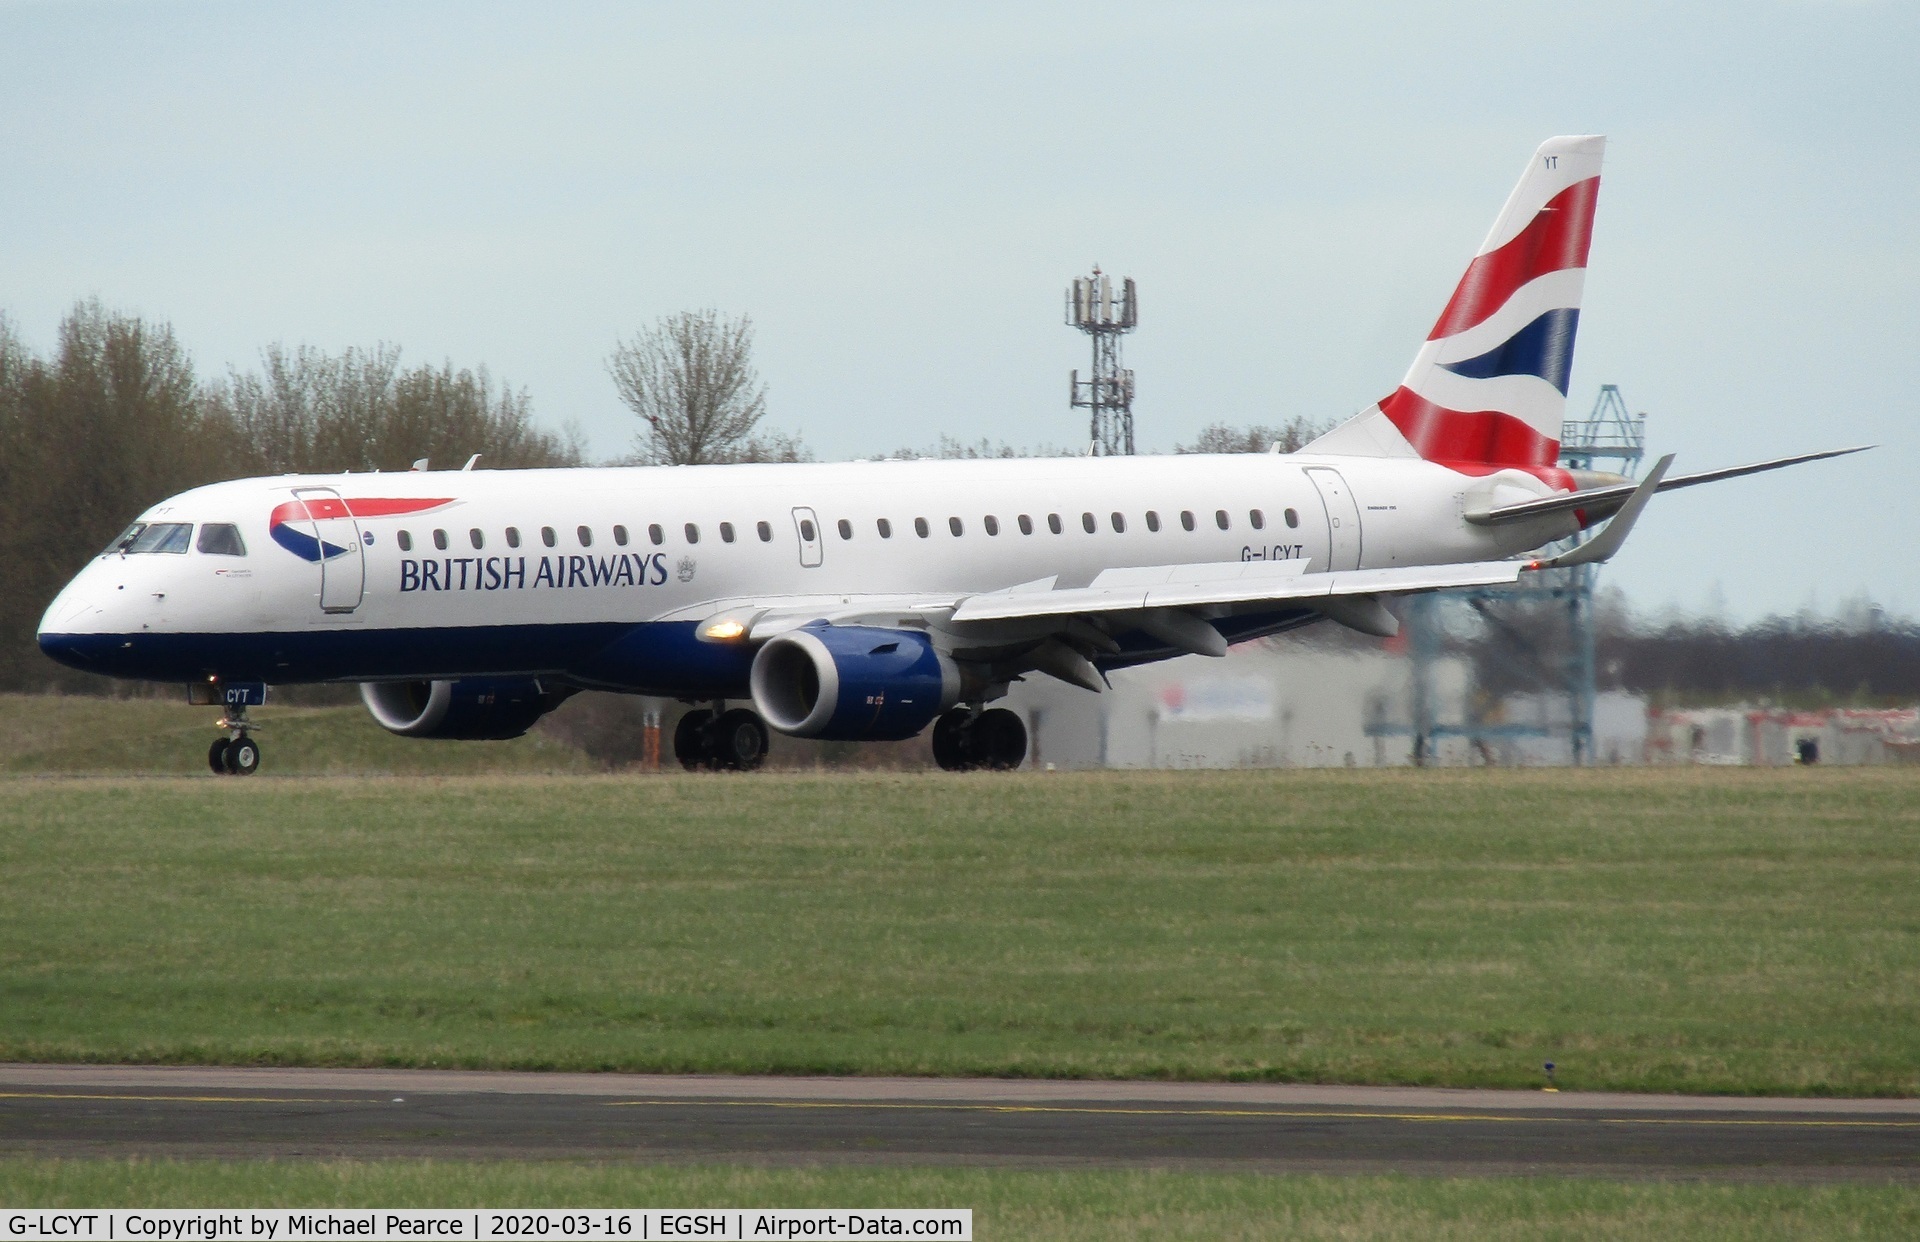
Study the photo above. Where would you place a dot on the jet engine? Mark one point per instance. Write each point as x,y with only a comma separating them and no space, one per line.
852,682
472,708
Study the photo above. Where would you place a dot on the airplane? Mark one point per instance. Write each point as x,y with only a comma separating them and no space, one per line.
869,600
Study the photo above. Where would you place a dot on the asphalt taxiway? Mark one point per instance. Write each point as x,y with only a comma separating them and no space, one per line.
212,1112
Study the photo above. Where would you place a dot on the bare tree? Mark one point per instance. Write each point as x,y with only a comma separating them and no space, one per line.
690,378
1222,438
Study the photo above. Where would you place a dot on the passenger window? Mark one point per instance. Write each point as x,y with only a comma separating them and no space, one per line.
884,527
1258,518
513,536
547,536
693,533
1293,519
1026,524
726,532
992,524
807,533
475,538
1153,520
620,536
405,539
1186,519
1053,522
846,529
585,535
655,534
920,527
1119,524
953,524
1088,524
765,532
221,539
1221,519
440,540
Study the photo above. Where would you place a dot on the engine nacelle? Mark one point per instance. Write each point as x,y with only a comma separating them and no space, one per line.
852,683
471,709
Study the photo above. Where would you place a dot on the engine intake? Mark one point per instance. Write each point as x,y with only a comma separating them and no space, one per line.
471,709
852,683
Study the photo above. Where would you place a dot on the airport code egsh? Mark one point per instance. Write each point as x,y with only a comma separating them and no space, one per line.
622,1225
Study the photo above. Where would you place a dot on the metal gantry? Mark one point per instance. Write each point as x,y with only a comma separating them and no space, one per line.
1096,308
1609,434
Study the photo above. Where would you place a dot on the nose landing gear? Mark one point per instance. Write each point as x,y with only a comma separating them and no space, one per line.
964,740
236,754
720,740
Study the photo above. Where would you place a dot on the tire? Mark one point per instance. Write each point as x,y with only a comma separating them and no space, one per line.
1000,740
740,741
217,756
690,739
243,756
951,742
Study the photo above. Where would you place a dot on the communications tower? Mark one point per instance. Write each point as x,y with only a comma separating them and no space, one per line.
1106,315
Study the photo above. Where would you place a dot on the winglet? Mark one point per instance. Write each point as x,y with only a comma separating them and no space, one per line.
1608,541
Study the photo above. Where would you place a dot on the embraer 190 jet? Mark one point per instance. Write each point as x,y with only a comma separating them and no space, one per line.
869,600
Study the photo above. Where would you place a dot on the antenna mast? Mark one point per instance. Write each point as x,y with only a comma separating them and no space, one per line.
1097,309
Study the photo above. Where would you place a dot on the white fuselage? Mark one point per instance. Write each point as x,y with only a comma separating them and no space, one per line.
623,547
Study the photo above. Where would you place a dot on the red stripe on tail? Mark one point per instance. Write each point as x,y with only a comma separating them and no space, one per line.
1554,240
1487,436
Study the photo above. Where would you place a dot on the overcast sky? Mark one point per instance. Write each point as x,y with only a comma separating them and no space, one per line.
898,196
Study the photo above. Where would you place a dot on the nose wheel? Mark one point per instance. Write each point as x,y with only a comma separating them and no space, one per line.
238,753
964,741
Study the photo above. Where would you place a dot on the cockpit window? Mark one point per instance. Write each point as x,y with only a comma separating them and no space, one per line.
162,537
124,539
221,539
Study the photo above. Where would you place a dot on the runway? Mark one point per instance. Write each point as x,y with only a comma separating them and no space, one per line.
285,1113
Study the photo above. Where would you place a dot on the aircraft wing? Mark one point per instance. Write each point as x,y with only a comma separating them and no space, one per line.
1227,582
1601,501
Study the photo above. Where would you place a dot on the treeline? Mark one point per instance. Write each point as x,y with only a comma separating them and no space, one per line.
1860,658
1784,660
114,418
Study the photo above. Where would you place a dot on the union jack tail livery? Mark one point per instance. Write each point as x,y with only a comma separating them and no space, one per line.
1488,389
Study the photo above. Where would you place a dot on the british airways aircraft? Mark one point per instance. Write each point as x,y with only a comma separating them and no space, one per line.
869,600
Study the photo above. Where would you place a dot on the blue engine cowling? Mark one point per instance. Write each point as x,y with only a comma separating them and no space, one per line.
852,683
471,709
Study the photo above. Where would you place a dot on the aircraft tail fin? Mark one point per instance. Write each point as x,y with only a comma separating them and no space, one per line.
1488,387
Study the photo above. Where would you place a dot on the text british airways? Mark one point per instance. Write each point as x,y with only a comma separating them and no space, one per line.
509,573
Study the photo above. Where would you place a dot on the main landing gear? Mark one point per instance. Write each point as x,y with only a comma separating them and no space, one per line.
720,740
237,754
964,740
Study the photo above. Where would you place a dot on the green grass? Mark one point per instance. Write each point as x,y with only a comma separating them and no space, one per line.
1724,931
1012,1204
50,734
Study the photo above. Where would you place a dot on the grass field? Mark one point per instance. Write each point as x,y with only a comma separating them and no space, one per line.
1743,931
45,734
1010,1204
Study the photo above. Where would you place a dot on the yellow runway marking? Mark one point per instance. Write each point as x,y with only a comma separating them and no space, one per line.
1316,1114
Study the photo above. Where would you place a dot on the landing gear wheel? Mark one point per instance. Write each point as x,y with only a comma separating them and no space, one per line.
999,740
243,756
690,739
950,740
217,756
739,741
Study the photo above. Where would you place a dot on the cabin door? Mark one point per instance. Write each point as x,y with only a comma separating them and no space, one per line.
1343,518
343,567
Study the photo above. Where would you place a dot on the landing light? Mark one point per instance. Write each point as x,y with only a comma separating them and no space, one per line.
724,631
